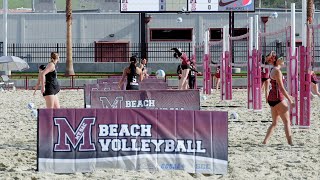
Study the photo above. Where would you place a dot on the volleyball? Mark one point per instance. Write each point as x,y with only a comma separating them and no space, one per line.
30,105
179,20
160,74
34,113
274,15
234,115
203,98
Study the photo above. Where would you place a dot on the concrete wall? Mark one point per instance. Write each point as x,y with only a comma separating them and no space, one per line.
109,67
172,83
90,27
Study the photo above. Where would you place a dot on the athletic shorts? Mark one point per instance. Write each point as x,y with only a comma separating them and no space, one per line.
185,66
132,87
273,103
51,90
264,79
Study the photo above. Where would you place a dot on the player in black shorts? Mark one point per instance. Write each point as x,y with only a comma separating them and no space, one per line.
50,85
143,67
132,73
179,71
192,75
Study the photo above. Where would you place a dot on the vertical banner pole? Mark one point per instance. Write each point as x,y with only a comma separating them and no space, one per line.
256,27
292,69
256,83
5,27
304,23
228,69
205,63
223,63
305,80
209,80
249,70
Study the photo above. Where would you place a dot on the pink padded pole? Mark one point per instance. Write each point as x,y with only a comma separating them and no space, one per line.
292,77
205,69
228,71
249,82
305,91
222,75
204,74
256,83
208,75
226,77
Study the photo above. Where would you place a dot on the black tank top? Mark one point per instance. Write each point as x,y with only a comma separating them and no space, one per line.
51,78
132,81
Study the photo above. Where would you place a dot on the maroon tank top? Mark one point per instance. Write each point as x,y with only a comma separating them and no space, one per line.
217,74
275,94
185,60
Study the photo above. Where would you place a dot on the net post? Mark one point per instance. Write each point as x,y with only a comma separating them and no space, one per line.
249,80
194,58
206,65
250,60
228,76
305,79
256,83
292,70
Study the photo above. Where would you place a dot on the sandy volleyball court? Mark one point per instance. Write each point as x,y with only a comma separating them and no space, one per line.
248,158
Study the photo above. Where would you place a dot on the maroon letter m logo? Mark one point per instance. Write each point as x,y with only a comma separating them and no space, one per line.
67,136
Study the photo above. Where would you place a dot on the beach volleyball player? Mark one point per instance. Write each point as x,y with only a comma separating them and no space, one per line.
40,69
216,78
185,65
50,85
131,73
279,107
265,76
143,67
192,75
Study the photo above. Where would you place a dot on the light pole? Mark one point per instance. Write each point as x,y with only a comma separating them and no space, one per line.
264,19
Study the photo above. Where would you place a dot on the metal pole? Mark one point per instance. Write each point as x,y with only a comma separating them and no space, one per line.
293,29
265,39
250,36
256,24
143,35
5,27
304,23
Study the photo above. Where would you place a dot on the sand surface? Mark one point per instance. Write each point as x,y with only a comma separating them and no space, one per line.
248,158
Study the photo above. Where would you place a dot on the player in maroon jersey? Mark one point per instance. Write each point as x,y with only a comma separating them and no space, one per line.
185,66
279,107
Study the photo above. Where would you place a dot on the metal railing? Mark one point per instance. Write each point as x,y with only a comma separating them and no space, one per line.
27,81
157,51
